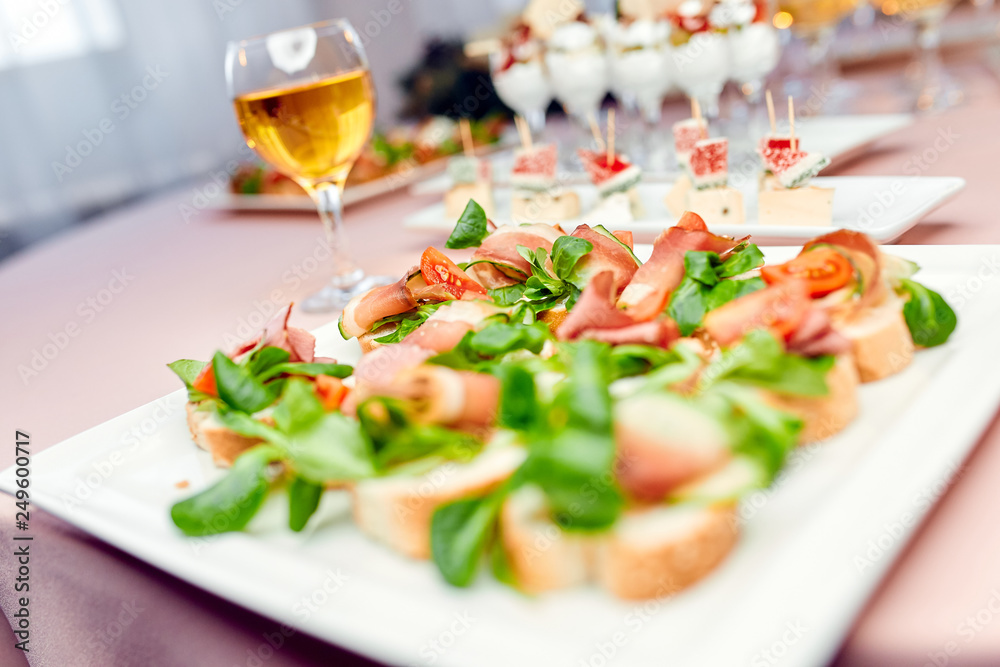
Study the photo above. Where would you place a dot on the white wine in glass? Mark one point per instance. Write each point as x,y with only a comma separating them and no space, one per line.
306,105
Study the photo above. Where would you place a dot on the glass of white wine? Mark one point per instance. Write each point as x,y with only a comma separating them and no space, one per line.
305,102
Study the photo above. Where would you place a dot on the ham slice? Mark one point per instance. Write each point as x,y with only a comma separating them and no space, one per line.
625,237
866,258
299,343
787,311
607,255
366,309
595,317
595,309
647,294
659,333
502,264
441,395
438,335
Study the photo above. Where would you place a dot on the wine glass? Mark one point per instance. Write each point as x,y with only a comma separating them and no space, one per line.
815,23
306,104
935,89
520,80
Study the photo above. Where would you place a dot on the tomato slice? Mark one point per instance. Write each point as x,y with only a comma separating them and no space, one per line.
205,382
437,269
823,270
331,392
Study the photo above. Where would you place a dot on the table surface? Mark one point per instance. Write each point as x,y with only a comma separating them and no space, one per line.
116,298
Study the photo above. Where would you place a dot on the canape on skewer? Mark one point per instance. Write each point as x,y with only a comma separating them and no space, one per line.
472,178
612,176
710,196
536,195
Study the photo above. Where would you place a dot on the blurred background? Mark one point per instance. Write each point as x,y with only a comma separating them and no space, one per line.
105,101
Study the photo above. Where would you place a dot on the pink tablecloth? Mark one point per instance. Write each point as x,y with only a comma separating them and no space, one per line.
111,301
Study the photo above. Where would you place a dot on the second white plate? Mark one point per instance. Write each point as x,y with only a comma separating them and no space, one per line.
881,206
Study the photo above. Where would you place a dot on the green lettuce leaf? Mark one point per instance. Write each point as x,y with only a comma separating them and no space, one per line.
929,317
471,229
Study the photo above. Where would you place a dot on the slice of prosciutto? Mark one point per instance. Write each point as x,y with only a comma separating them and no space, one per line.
496,263
595,309
299,343
441,395
366,309
647,294
595,317
786,311
608,254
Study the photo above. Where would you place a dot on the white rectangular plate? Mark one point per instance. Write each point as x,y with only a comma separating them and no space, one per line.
797,564
841,138
881,206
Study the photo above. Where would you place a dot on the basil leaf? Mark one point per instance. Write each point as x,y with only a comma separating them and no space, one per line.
518,408
566,252
246,425
575,470
929,317
471,228
187,370
688,304
507,296
502,337
700,265
407,322
229,504
631,360
262,359
727,290
745,258
298,408
460,532
238,387
760,360
303,499
397,441
331,449
583,396
307,370
762,432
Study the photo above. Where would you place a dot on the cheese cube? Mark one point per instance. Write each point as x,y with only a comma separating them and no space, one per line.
808,206
718,206
456,199
677,199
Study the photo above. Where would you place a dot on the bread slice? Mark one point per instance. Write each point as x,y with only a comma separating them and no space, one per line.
367,339
542,556
825,416
650,552
660,550
224,444
880,340
397,509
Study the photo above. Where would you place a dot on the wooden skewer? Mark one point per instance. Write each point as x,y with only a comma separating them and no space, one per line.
467,144
482,47
770,111
696,114
524,132
791,124
611,137
596,131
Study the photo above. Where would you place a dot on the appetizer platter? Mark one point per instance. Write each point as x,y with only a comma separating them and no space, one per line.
574,442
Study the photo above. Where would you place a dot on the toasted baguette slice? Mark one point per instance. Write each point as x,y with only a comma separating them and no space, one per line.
367,340
554,317
660,550
397,510
825,416
880,340
541,555
224,444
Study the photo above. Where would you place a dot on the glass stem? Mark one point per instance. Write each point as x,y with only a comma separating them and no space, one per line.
328,202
